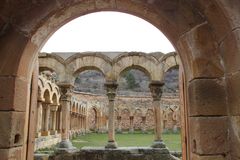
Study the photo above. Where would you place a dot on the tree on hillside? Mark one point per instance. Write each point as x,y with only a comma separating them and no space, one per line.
131,82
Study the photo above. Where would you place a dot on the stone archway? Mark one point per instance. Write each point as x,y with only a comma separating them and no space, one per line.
93,117
206,35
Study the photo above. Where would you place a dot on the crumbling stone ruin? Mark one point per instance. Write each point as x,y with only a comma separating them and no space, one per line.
205,35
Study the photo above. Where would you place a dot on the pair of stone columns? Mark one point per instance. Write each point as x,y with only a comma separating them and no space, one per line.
156,90
43,129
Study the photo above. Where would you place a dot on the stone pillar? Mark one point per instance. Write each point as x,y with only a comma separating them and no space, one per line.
111,88
119,128
39,119
46,131
60,121
156,91
65,144
131,129
143,127
54,119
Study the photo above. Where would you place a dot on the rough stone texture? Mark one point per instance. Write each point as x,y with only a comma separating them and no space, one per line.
127,106
47,141
12,132
111,68
128,153
41,157
12,90
233,88
207,157
229,50
209,131
200,23
235,136
207,97
11,153
200,43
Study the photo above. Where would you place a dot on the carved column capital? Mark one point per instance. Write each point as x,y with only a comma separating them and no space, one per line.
66,92
156,89
111,88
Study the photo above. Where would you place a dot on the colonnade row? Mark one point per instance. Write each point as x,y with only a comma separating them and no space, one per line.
51,110
57,114
78,123
48,119
156,90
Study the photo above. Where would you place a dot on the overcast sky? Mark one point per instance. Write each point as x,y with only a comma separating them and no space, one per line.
108,31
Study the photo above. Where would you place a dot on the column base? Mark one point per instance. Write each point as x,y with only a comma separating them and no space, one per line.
65,146
45,133
53,132
37,135
111,145
158,144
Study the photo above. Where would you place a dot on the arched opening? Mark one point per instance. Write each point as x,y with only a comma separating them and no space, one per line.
193,29
90,81
93,120
88,70
125,117
133,81
150,119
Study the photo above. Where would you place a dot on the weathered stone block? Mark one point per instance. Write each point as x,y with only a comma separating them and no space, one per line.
209,135
235,137
13,95
201,53
206,97
233,88
229,50
207,157
105,4
11,129
11,153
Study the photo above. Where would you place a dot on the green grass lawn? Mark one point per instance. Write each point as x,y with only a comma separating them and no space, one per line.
173,141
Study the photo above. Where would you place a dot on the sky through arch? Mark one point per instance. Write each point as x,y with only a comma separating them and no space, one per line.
108,31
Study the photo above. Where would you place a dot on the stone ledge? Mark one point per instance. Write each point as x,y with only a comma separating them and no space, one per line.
121,153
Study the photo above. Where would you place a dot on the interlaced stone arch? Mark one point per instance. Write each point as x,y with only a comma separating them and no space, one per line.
140,61
153,66
45,84
88,61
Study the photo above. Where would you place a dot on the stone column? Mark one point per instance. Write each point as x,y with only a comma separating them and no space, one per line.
60,121
65,144
54,118
143,127
156,90
111,88
39,119
46,131
131,129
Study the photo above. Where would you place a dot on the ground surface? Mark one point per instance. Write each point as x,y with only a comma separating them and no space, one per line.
173,141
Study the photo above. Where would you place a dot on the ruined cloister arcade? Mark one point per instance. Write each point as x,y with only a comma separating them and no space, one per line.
96,106
205,35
